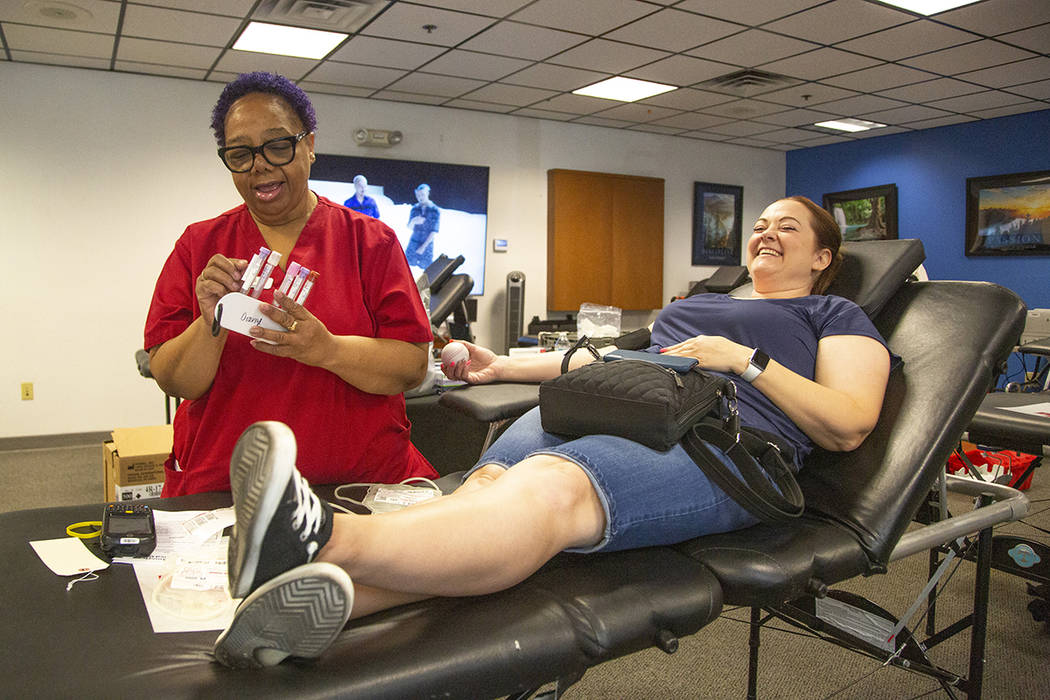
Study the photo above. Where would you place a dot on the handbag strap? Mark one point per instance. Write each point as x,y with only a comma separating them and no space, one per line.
582,342
751,489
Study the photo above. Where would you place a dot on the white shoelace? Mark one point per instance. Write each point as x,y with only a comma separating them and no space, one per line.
308,512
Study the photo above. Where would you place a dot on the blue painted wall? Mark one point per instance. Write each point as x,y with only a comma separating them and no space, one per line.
930,168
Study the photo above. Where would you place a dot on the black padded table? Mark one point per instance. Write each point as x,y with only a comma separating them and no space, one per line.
96,639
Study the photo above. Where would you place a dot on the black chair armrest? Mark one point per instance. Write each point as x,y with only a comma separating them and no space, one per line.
490,403
1036,347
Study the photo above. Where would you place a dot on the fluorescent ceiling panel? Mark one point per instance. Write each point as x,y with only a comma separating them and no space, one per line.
624,89
851,125
262,37
927,7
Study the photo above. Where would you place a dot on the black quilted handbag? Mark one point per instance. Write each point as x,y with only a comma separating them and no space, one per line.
633,398
661,401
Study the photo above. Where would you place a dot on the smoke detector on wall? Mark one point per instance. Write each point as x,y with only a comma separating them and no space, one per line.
377,137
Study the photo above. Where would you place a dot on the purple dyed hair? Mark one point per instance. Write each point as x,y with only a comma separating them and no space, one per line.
269,83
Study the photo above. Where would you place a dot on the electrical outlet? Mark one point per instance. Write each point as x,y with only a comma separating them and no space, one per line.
27,391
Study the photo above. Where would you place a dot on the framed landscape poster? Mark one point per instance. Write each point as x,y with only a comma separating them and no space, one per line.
867,214
717,219
1008,214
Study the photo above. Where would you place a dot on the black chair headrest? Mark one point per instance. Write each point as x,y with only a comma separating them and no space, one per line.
441,269
871,272
452,293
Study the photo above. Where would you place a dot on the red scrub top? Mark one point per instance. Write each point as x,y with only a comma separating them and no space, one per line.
343,434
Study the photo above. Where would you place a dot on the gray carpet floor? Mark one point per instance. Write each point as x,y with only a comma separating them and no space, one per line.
713,663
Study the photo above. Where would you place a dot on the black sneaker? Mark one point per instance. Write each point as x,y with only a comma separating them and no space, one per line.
280,523
297,614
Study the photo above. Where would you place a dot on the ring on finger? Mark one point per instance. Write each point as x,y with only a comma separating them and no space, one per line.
295,324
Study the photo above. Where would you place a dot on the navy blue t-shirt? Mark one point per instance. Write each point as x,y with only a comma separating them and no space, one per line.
788,330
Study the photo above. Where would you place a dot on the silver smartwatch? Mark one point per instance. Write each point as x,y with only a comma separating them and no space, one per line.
756,365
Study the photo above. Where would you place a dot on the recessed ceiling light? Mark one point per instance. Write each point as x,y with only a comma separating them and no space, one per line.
624,89
849,124
282,40
927,7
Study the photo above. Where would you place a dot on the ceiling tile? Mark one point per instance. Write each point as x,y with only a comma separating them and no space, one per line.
823,141
998,16
750,12
638,112
248,61
741,128
886,131
681,70
154,69
542,114
1009,74
688,99
97,16
348,74
1035,39
612,56
968,57
838,21
404,21
601,121
385,52
468,64
744,109
752,47
545,75
691,121
880,77
753,143
807,95
941,121
479,106
21,37
176,25
54,59
584,16
430,84
522,41
819,64
705,136
511,94
990,99
1010,109
233,8
795,117
396,96
312,87
922,36
861,104
1039,90
576,104
674,30
492,8
167,53
904,115
931,90
789,135
656,129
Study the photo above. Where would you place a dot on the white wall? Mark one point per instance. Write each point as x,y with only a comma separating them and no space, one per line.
102,171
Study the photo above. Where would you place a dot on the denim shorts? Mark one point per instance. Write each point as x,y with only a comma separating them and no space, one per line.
650,497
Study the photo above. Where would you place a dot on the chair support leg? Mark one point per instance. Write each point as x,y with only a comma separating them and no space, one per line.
752,664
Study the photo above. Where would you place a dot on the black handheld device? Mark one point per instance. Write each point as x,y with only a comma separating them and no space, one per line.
128,530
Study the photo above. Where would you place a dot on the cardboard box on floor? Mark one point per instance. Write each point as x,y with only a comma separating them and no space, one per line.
133,462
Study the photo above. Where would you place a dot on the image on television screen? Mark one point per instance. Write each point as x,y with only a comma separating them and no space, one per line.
433,208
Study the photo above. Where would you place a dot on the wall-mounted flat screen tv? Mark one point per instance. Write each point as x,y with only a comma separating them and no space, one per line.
434,208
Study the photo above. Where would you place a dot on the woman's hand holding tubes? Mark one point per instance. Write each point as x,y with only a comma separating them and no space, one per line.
219,277
304,340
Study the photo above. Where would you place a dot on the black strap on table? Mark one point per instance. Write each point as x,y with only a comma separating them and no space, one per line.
752,489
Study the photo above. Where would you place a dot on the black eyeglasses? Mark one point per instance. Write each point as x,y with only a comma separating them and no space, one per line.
240,159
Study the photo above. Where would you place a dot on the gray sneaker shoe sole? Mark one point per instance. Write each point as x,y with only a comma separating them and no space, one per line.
261,466
297,614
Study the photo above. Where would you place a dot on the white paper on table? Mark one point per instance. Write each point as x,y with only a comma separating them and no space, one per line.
67,556
190,546
1032,409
